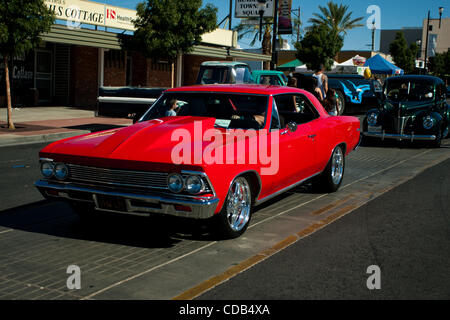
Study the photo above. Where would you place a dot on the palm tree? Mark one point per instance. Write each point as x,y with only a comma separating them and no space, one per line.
336,17
244,30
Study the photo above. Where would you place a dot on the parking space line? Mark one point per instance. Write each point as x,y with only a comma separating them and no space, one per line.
261,256
147,271
232,271
5,231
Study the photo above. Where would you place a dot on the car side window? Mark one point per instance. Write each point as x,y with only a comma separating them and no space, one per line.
295,108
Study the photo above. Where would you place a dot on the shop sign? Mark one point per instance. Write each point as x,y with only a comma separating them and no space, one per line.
80,11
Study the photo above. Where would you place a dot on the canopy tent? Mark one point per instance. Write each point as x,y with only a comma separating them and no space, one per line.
349,62
291,65
379,65
354,61
304,68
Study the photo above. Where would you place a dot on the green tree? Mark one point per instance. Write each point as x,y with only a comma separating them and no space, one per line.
167,28
21,24
439,65
404,57
337,18
319,46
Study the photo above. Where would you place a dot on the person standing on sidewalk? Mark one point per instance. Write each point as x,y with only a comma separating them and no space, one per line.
322,83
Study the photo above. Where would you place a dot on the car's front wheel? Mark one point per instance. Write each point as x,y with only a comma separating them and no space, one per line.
437,142
234,218
331,178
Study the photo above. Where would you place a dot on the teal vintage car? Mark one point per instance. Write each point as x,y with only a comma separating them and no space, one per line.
413,108
271,77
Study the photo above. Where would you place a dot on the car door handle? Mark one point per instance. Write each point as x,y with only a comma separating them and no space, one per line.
284,132
311,136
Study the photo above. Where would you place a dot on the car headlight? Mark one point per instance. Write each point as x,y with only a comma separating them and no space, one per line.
372,118
61,171
175,182
194,184
47,169
428,122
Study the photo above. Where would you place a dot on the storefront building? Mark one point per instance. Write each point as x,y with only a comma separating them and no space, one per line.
73,60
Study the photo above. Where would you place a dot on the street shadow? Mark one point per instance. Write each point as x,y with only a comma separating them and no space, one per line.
95,127
56,218
394,144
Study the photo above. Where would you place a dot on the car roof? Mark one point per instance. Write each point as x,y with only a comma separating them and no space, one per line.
238,88
223,63
416,77
268,72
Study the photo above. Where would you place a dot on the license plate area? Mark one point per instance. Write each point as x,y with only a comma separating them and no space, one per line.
112,203
376,129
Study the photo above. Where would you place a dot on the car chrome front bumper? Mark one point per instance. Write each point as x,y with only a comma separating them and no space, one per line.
410,137
136,204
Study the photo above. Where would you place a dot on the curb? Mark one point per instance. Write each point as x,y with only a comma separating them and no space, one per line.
14,140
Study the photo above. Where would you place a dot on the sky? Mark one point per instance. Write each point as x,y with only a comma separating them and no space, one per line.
393,15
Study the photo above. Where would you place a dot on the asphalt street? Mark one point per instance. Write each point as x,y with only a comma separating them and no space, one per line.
406,232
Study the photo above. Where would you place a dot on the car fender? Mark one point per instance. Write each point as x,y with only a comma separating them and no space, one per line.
418,122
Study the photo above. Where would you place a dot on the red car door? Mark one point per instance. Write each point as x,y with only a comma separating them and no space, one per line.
296,148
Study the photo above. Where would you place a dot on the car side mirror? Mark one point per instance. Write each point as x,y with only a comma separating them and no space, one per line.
292,126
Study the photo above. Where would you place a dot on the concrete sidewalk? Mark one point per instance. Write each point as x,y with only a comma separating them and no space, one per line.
47,124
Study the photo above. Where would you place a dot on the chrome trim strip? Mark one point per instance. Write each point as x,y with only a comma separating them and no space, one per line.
201,208
359,141
400,136
273,195
45,160
126,100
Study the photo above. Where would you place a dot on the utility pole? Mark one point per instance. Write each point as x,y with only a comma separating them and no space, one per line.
230,14
298,24
274,61
426,42
373,35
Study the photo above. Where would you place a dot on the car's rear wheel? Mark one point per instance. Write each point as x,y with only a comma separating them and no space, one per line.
234,218
331,178
341,103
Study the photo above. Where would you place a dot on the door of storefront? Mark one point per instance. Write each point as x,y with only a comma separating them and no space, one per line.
44,75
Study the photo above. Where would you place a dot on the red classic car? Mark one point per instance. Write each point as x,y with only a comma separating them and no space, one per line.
206,152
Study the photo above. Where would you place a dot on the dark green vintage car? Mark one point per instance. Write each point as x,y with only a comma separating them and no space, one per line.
413,108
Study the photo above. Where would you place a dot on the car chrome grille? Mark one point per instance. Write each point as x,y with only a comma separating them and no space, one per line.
126,178
122,178
401,123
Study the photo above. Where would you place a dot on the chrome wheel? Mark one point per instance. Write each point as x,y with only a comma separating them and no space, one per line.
337,166
239,204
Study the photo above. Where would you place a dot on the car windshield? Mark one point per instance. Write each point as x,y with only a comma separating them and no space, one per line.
242,74
231,111
409,90
211,75
270,80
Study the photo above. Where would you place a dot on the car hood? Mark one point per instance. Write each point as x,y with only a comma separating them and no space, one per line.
407,106
149,141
